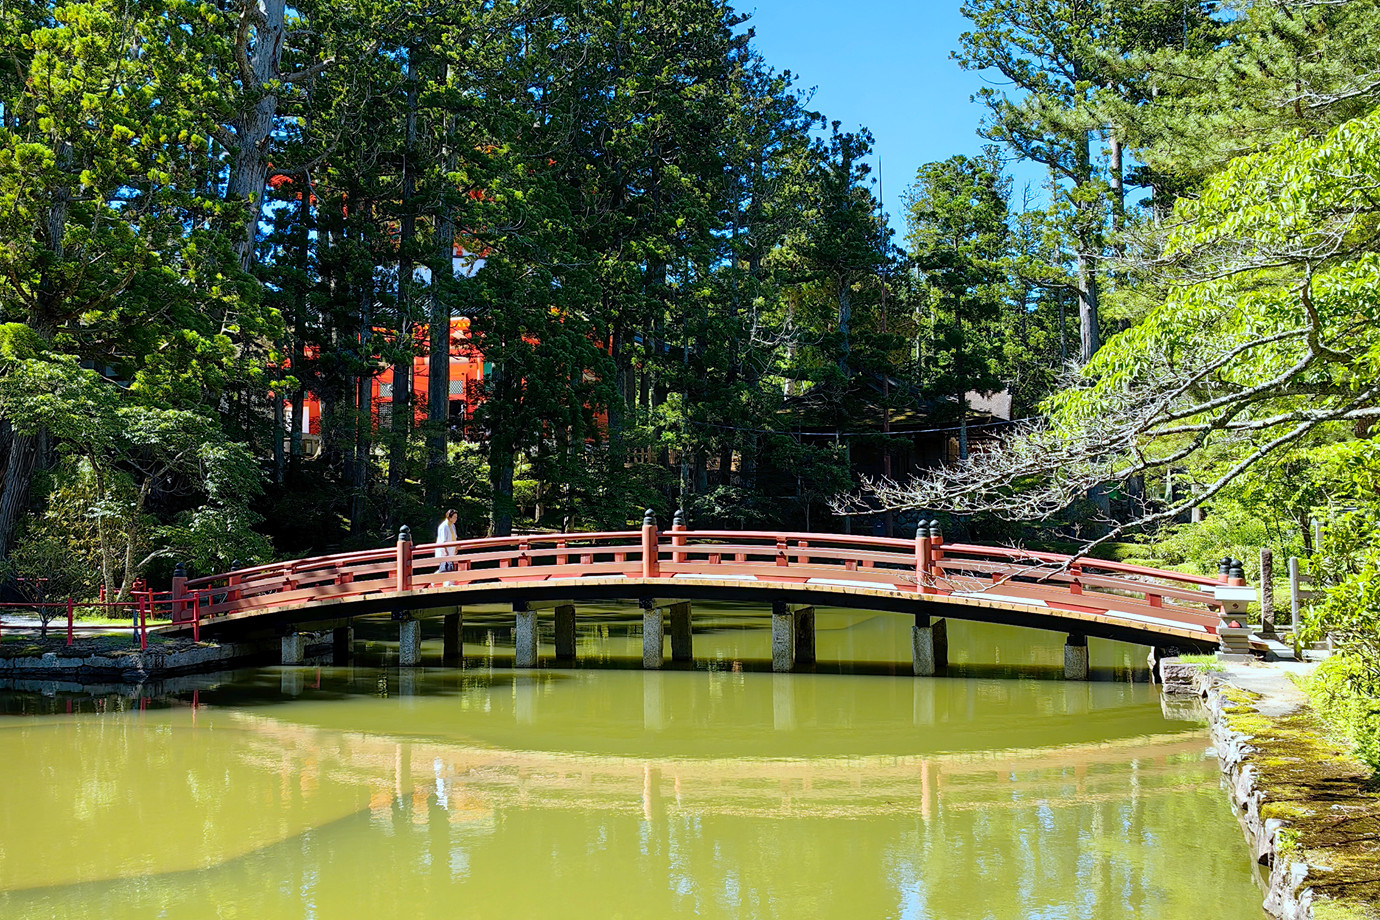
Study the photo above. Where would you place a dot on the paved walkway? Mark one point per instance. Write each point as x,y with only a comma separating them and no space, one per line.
1275,682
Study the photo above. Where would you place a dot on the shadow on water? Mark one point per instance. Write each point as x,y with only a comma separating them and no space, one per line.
609,639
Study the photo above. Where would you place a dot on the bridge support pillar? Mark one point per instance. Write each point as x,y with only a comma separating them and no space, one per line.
565,632
782,637
805,636
929,646
452,646
524,636
682,639
342,645
1076,657
409,644
653,634
294,648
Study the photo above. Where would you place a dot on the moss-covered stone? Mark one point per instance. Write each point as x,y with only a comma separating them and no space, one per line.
1328,800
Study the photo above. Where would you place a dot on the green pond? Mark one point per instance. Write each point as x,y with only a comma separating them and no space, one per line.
857,791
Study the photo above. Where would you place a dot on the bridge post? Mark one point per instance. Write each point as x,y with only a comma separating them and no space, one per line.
651,562
342,645
1076,657
565,632
936,553
179,592
923,562
409,643
682,638
805,635
677,535
653,633
294,647
452,645
524,636
1267,593
403,571
929,645
782,637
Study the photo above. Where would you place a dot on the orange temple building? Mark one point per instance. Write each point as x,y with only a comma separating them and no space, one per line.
467,372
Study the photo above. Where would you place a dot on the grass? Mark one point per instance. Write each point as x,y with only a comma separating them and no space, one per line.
1208,663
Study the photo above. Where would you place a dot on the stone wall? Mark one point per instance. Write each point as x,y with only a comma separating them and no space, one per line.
137,666
1288,895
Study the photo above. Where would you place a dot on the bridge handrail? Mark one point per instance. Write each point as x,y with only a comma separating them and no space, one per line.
1085,562
925,565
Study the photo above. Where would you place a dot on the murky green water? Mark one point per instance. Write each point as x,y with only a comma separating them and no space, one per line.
725,791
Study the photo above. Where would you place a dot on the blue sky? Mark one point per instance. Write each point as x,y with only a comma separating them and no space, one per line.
884,64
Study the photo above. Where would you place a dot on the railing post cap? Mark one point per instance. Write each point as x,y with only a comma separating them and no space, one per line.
935,532
1224,566
404,534
179,571
680,518
1237,569
234,564
649,518
922,529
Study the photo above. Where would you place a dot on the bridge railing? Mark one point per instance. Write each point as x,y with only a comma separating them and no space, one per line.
926,565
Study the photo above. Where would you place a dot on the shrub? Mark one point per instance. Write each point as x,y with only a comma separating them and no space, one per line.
1344,692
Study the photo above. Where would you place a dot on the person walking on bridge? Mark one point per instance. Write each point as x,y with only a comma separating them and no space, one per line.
445,533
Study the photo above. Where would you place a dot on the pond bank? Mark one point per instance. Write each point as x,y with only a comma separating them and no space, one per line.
1309,809
112,658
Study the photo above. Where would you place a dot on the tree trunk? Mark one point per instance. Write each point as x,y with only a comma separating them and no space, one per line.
19,471
1087,306
438,351
363,398
1116,182
253,126
1088,248
299,321
501,449
278,434
402,419
845,324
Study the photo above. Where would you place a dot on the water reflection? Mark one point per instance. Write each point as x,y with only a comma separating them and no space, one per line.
323,792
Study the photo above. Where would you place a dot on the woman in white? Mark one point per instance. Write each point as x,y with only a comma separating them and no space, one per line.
445,533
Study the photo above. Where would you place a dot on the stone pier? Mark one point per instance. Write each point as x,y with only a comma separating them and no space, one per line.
409,643
1076,657
804,636
653,634
294,648
524,635
565,632
682,641
342,645
452,645
929,645
782,637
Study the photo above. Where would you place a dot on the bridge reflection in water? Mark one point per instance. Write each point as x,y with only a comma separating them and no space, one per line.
621,792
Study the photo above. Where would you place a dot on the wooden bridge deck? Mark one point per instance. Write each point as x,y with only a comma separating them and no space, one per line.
923,577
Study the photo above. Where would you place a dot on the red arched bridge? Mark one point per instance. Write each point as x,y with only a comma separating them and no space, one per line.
925,577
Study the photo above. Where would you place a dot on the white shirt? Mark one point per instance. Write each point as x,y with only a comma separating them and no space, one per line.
445,533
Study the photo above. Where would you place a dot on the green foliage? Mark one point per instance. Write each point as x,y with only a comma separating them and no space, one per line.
956,214
1205,663
123,453
1345,690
